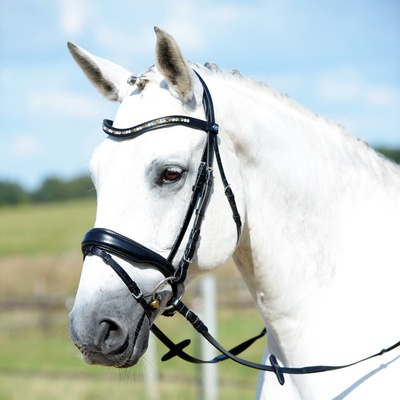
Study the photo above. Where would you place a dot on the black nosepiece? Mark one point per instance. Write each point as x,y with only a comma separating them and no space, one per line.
111,338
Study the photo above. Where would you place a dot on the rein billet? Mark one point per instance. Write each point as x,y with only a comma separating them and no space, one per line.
101,242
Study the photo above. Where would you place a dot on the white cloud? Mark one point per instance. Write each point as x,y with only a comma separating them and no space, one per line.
342,84
55,102
383,96
125,43
73,16
134,46
331,89
188,35
189,23
347,85
25,145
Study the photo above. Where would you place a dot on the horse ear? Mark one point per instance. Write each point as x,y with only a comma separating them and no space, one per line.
172,65
109,78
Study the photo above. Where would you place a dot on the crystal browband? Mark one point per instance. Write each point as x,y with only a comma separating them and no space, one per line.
157,124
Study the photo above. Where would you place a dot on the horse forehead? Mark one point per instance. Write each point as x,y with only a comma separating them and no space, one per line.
154,101
175,144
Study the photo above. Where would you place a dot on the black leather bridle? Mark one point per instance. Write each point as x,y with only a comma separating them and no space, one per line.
103,242
100,240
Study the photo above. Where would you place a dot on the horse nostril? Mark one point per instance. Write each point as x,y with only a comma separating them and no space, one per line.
111,338
113,326
107,327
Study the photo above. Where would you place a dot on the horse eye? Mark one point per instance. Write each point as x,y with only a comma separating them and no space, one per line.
171,175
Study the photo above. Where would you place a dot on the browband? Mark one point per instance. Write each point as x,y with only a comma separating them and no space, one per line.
159,123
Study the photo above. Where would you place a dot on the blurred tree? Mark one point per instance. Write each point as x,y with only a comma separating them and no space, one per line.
12,193
393,154
55,189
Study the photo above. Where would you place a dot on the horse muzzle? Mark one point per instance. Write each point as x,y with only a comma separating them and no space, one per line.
118,341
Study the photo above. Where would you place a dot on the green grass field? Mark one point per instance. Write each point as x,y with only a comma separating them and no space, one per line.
40,258
44,228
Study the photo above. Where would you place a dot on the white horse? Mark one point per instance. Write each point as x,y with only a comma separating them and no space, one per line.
319,249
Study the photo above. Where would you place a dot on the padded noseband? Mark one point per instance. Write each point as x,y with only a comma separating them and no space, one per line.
125,248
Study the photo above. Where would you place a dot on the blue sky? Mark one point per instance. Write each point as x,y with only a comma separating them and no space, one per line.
339,58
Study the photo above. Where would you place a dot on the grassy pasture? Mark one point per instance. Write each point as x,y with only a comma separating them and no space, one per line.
40,258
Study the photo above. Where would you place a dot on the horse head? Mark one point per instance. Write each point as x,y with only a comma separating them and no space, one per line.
144,186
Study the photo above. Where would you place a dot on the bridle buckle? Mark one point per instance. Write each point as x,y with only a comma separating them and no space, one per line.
155,301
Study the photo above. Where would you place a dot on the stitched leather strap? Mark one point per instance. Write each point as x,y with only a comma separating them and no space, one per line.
127,249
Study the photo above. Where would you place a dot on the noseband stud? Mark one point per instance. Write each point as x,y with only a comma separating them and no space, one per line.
154,304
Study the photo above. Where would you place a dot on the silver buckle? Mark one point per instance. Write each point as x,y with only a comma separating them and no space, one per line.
154,299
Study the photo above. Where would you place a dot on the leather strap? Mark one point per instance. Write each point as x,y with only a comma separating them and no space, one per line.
158,123
127,249
278,370
209,110
196,192
131,285
177,349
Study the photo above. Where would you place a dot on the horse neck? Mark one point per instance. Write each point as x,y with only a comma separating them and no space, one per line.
302,175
